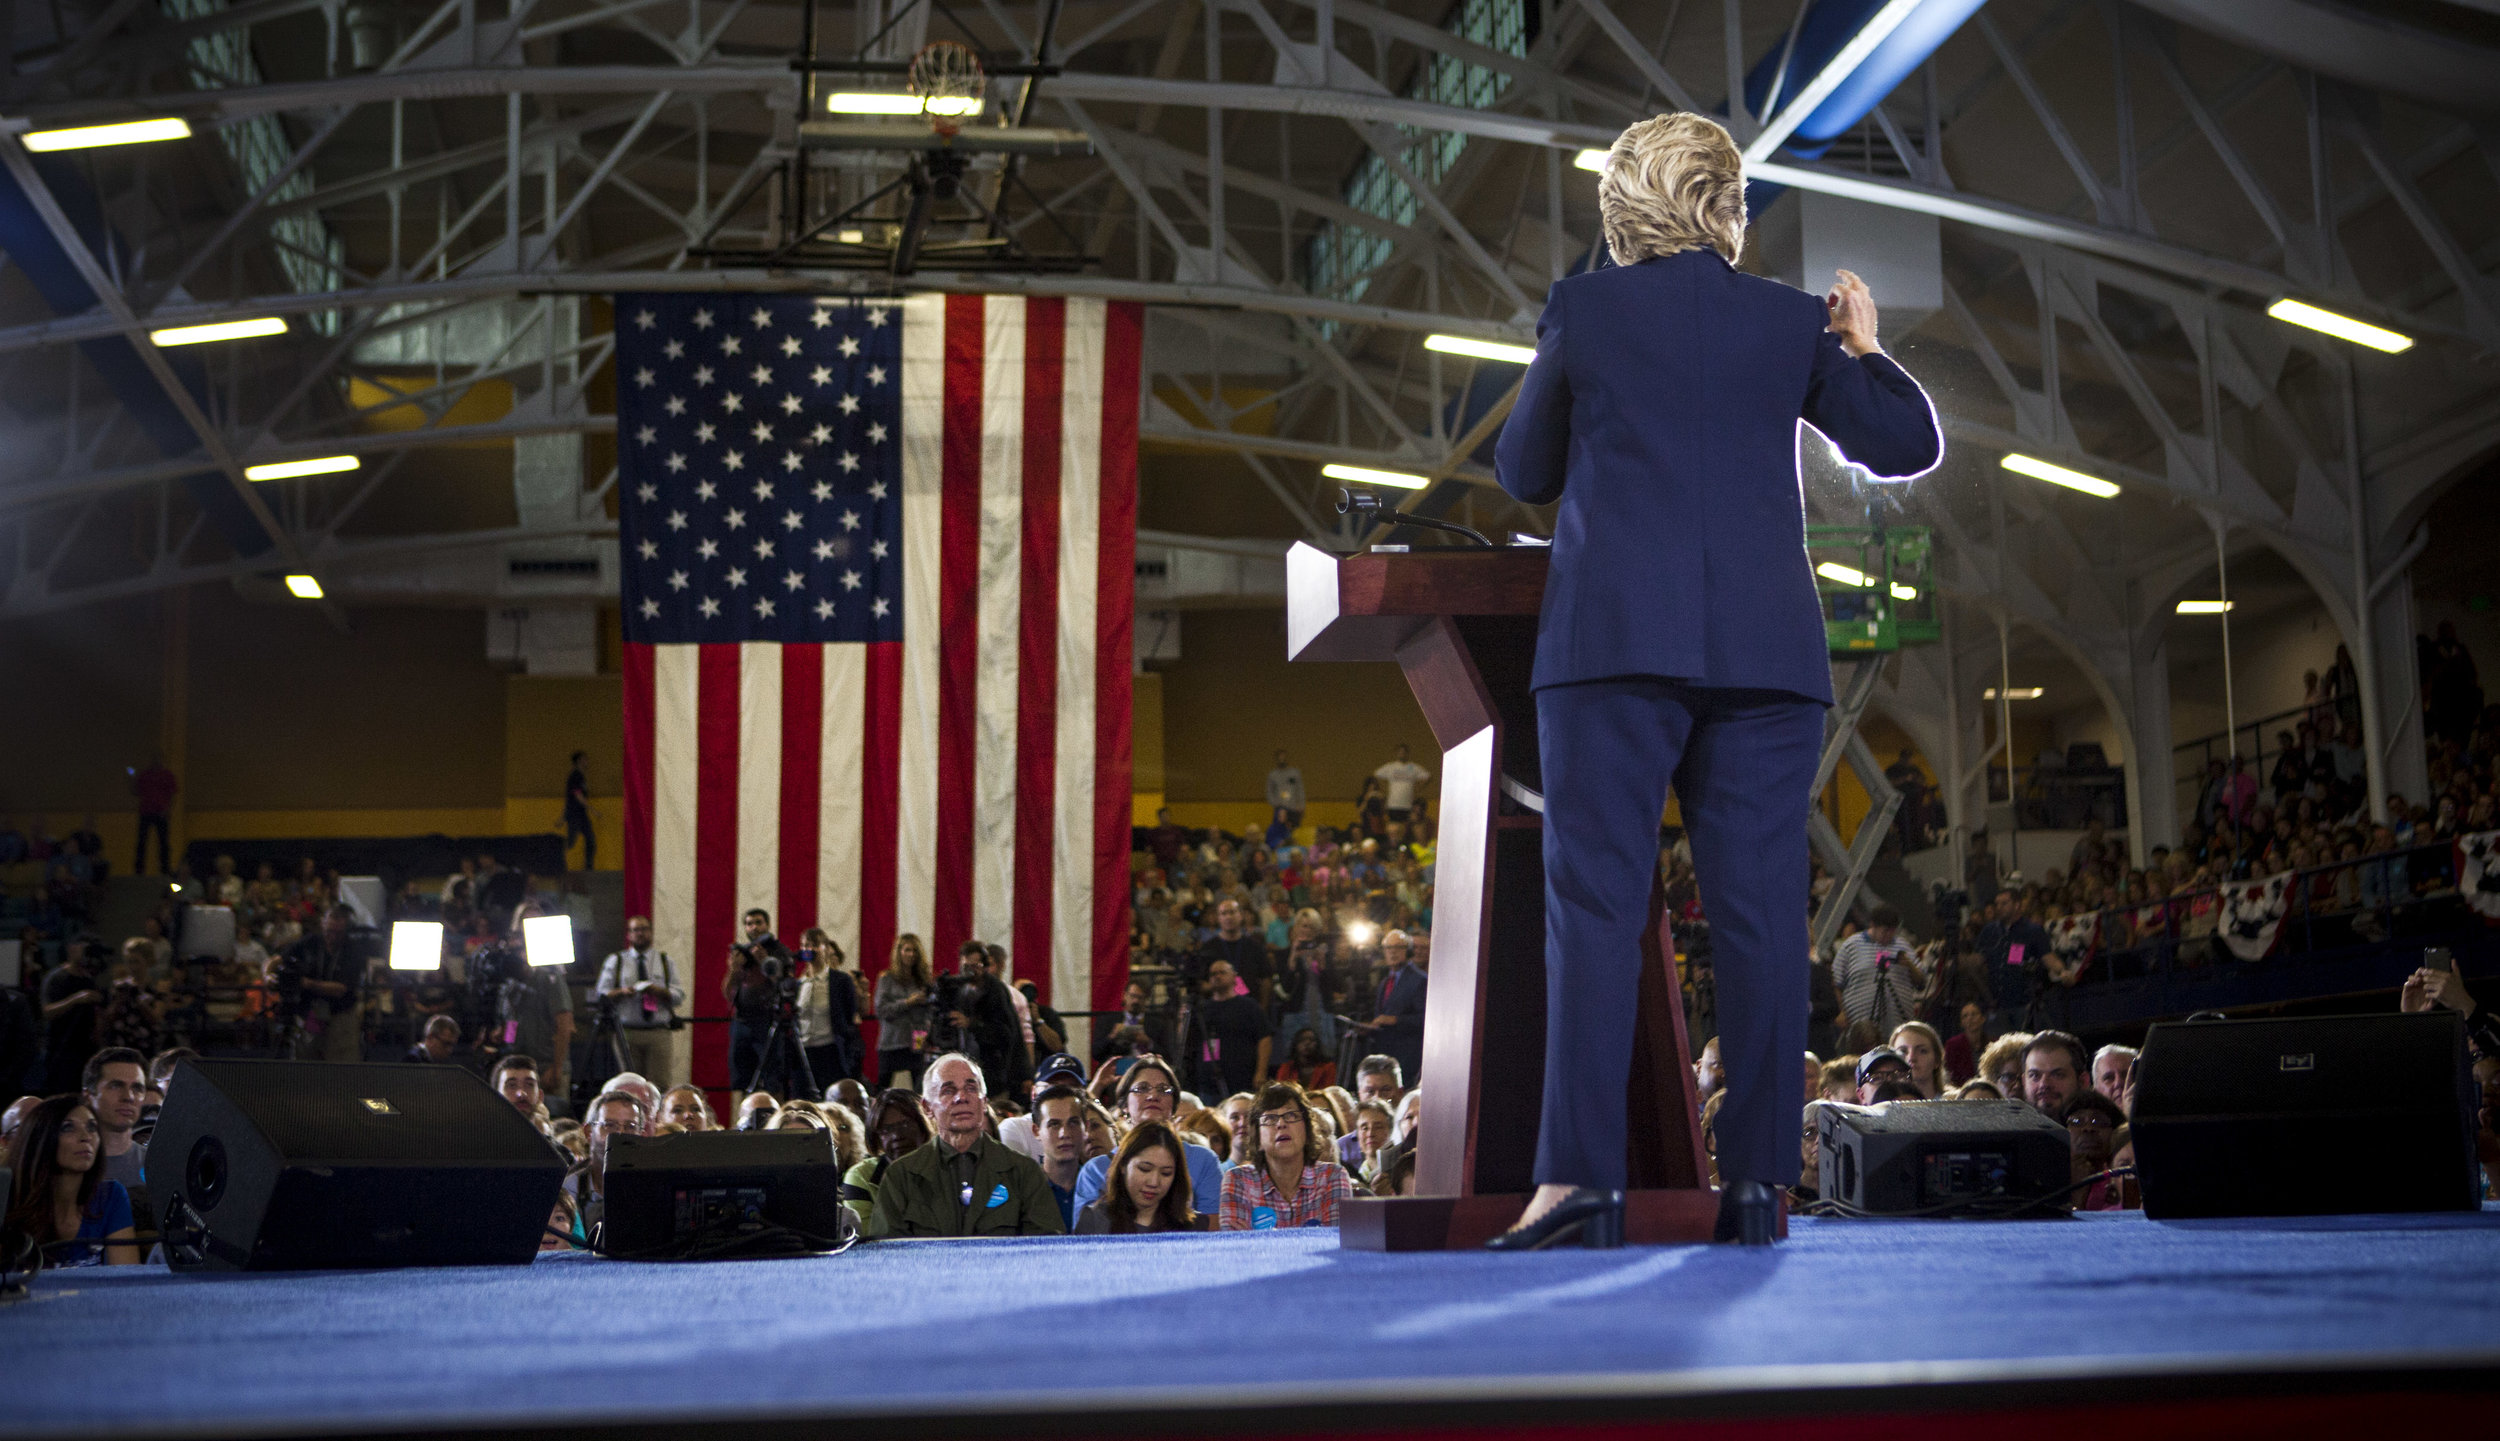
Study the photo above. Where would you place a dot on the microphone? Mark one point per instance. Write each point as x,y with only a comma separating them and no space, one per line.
1369,502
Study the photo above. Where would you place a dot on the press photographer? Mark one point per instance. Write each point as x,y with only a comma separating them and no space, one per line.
319,981
762,987
523,1010
1879,978
974,1015
639,986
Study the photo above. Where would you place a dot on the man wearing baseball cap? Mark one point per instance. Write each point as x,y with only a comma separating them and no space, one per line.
1876,1067
1016,1133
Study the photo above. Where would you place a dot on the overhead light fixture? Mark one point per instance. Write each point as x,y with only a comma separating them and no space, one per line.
548,940
2038,469
304,587
895,102
222,330
1591,160
2203,607
2019,692
1365,475
1481,349
416,945
2342,327
289,469
1794,111
89,137
850,237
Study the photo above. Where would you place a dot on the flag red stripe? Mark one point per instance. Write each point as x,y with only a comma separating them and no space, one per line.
802,771
1037,639
716,853
638,772
881,762
1114,623
959,623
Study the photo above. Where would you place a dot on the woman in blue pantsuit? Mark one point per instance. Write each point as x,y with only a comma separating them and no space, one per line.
1682,644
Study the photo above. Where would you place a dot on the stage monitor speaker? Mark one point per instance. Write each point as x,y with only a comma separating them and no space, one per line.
1940,1157
2308,1116
299,1165
704,1194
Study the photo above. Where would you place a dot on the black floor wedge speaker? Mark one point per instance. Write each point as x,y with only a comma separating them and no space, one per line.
299,1165
2308,1116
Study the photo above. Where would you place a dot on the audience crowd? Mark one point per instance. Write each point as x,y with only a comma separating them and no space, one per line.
1265,1066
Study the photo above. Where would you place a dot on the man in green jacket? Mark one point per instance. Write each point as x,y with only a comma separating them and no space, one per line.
963,1183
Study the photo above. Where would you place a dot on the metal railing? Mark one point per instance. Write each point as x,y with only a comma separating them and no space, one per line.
2346,927
2251,739
2054,798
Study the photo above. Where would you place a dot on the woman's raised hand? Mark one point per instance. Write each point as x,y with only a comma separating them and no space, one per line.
1852,307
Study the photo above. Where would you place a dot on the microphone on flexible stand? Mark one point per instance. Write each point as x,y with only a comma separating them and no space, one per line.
1368,502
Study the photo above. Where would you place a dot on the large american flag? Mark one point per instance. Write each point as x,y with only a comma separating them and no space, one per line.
879,577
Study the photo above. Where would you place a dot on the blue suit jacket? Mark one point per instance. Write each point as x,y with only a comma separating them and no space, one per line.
1662,411
1403,1000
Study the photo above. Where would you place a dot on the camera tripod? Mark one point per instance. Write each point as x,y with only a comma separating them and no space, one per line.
780,1060
607,1043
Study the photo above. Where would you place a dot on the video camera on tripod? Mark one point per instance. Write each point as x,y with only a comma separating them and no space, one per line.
782,973
952,995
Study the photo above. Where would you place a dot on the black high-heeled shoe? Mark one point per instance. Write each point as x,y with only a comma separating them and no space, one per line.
1592,1217
1748,1214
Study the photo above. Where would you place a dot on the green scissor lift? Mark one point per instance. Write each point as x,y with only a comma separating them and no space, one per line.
1877,586
1893,605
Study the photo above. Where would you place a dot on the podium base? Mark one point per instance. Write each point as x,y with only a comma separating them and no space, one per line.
1458,1223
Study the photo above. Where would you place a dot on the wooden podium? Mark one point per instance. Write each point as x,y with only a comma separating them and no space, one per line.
1462,624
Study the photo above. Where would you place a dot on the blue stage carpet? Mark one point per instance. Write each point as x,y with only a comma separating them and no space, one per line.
1020,1326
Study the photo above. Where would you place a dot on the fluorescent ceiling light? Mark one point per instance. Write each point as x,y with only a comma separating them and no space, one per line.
222,330
1850,575
88,137
1591,160
304,587
2019,692
289,469
2022,464
2203,607
1365,475
1793,112
416,945
1481,349
894,102
850,237
548,940
2342,327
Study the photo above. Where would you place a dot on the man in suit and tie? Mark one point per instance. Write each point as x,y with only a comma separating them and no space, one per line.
1398,1030
1682,643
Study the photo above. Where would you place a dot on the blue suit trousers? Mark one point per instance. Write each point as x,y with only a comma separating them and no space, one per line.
1742,763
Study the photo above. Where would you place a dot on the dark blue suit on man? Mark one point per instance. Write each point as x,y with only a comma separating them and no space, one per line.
1402,1000
1682,643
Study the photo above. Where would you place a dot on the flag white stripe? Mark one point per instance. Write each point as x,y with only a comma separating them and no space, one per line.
999,602
924,441
675,783
1080,532
759,777
838,796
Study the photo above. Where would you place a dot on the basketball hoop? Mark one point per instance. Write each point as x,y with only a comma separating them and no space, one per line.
948,79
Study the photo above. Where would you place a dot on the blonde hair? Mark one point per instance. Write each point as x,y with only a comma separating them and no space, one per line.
1673,183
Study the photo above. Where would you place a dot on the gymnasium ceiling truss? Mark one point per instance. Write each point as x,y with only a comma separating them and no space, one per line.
434,197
